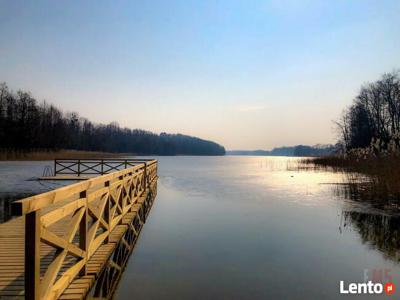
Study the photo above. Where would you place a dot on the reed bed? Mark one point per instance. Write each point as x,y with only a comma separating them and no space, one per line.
371,179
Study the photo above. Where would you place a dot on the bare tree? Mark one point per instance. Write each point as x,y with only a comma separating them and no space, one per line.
374,113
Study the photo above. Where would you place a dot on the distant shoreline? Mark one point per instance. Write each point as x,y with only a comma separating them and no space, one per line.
296,151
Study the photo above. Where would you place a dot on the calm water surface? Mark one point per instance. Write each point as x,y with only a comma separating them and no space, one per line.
248,228
18,180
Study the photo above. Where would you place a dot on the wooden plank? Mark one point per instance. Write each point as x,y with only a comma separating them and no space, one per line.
59,213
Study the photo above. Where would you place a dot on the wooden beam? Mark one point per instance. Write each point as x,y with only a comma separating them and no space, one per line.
83,229
32,256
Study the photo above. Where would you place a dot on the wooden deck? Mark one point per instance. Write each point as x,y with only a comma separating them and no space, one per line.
80,245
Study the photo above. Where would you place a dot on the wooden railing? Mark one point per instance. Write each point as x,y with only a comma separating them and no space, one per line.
65,227
80,167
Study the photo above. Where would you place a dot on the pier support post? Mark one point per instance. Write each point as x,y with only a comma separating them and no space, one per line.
32,256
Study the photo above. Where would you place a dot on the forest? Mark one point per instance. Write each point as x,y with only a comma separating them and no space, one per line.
369,141
27,124
373,118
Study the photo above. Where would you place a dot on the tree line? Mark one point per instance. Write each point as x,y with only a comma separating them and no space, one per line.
26,124
373,116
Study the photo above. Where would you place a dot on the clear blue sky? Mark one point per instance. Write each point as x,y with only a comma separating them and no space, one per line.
247,74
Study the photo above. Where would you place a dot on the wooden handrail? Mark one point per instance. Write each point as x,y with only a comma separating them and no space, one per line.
36,202
110,159
104,200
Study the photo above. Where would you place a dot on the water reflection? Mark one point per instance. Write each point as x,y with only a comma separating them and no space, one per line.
371,209
363,189
381,232
372,212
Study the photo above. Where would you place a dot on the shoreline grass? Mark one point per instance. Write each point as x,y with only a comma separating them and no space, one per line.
17,155
383,174
382,166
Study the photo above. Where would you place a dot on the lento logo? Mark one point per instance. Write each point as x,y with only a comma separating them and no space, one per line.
361,288
367,288
376,281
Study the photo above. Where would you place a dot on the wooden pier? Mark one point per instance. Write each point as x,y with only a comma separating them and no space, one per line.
74,242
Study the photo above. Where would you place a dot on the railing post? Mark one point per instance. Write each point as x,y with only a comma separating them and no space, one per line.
83,228
55,167
145,176
32,256
107,211
120,200
79,167
102,167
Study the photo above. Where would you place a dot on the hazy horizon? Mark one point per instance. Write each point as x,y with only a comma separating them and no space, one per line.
246,74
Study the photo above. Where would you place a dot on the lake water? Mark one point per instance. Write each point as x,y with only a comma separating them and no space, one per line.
249,228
